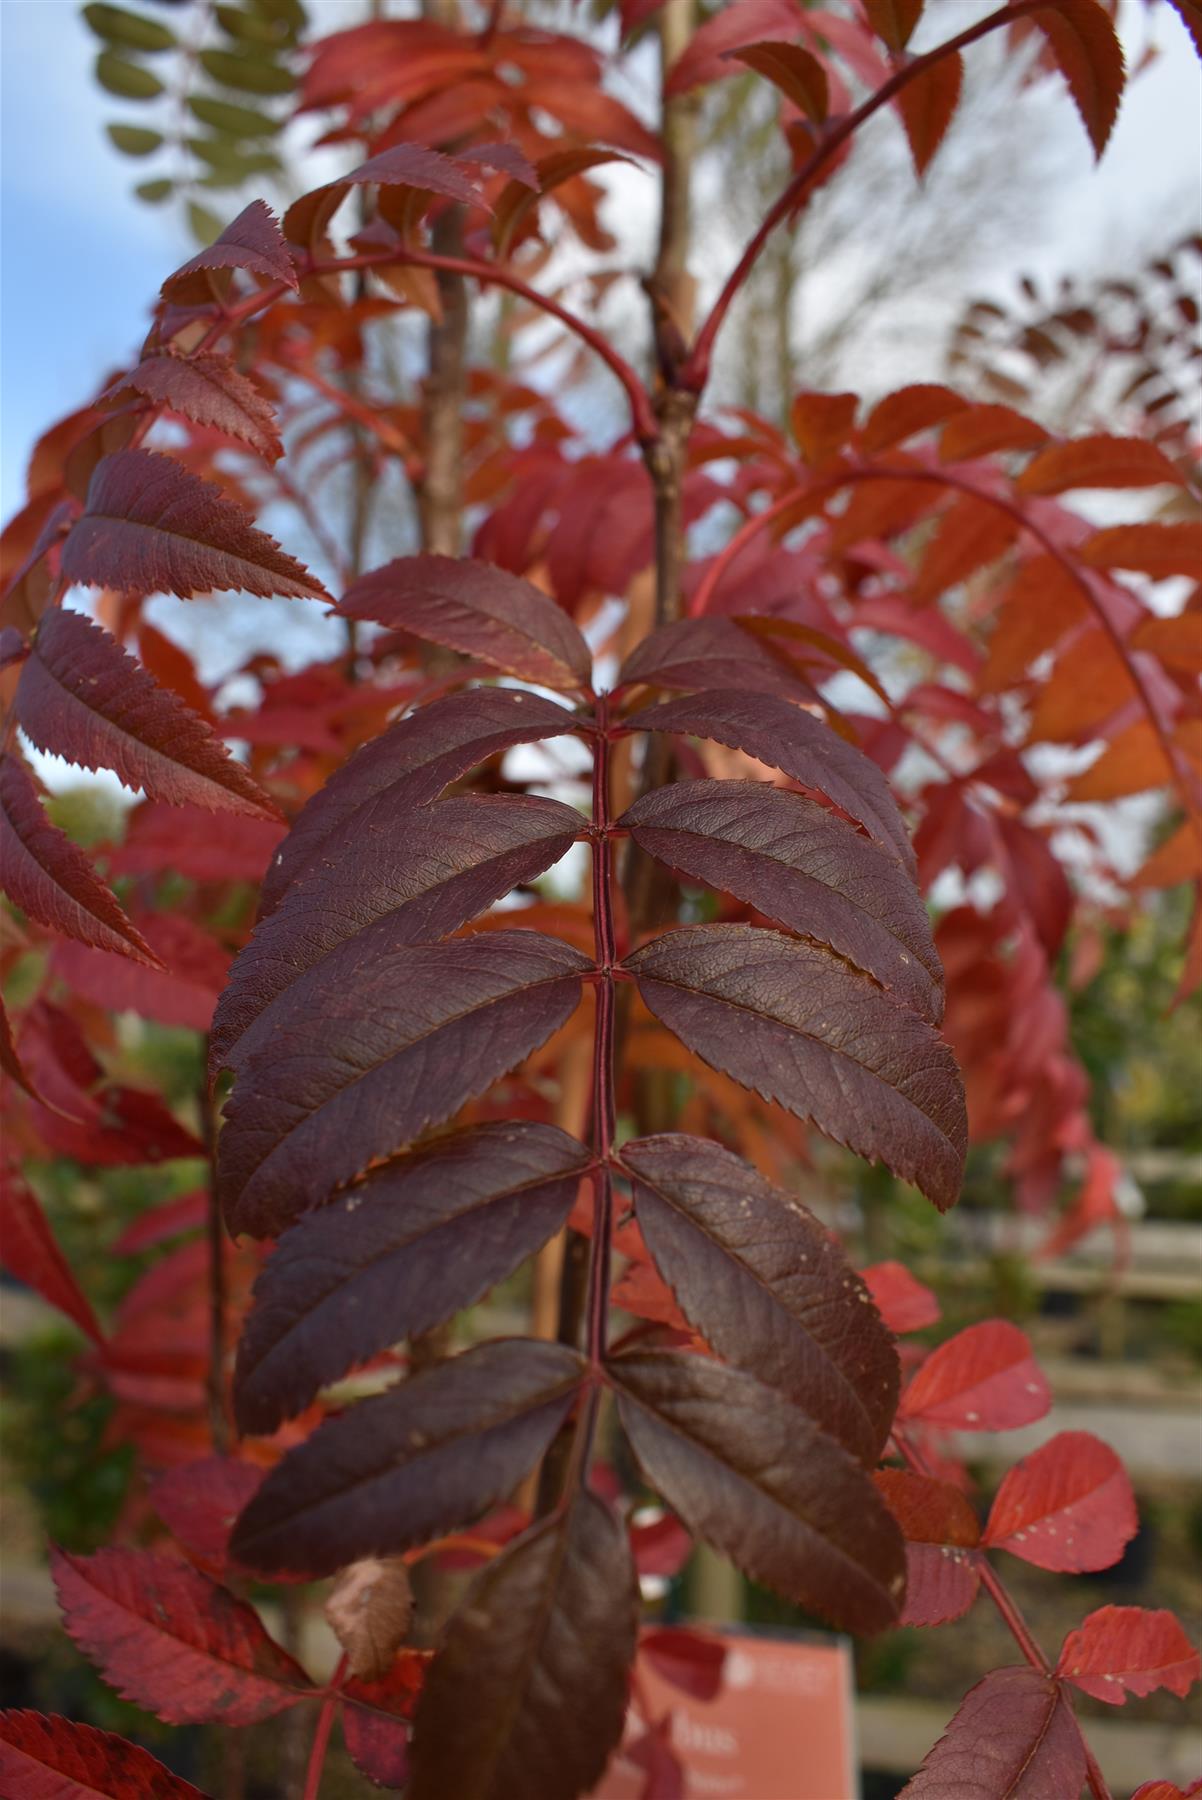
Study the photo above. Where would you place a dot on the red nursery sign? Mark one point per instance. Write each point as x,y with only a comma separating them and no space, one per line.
779,1726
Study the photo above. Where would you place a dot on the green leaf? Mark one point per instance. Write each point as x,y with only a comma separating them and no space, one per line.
292,11
248,74
229,157
155,192
126,79
233,121
203,224
134,140
116,26
246,29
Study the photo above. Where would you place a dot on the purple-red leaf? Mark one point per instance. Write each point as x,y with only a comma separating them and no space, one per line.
375,1055
436,1451
1067,1506
387,877
51,879
411,763
209,390
941,1583
766,1285
1121,1650
375,1719
150,526
710,653
750,1473
799,864
1014,1738
44,1757
985,1378
30,1251
171,1640
83,698
409,1245
252,242
786,738
528,1693
479,610
803,1028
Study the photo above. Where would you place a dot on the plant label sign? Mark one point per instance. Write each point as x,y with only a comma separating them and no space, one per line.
777,1725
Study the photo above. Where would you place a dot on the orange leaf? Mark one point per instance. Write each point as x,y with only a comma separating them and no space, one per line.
1178,859
927,104
1039,606
822,423
1085,687
1097,462
1156,550
971,534
906,412
894,20
1090,57
1177,642
988,427
1131,764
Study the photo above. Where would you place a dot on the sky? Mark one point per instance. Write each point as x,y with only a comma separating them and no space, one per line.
81,259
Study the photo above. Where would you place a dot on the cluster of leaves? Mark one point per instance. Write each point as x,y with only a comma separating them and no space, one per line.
213,122
438,1069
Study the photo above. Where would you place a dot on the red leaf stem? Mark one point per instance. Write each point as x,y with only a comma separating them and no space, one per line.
321,1734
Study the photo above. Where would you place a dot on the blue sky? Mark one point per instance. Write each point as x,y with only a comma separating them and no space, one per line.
82,259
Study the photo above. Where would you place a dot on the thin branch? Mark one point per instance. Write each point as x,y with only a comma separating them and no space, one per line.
646,426
695,373
321,1736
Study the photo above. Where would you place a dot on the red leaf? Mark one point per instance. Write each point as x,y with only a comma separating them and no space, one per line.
51,879
183,992
198,1502
252,242
941,1584
150,526
1121,1650
479,610
182,840
691,1660
44,1757
83,698
804,1028
375,1719
1087,50
1014,1738
209,390
822,424
1067,1506
661,1547
1098,461
171,1640
928,1511
902,1300
1167,1790
1191,17
983,1379
745,22
927,105
173,1218
29,1251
